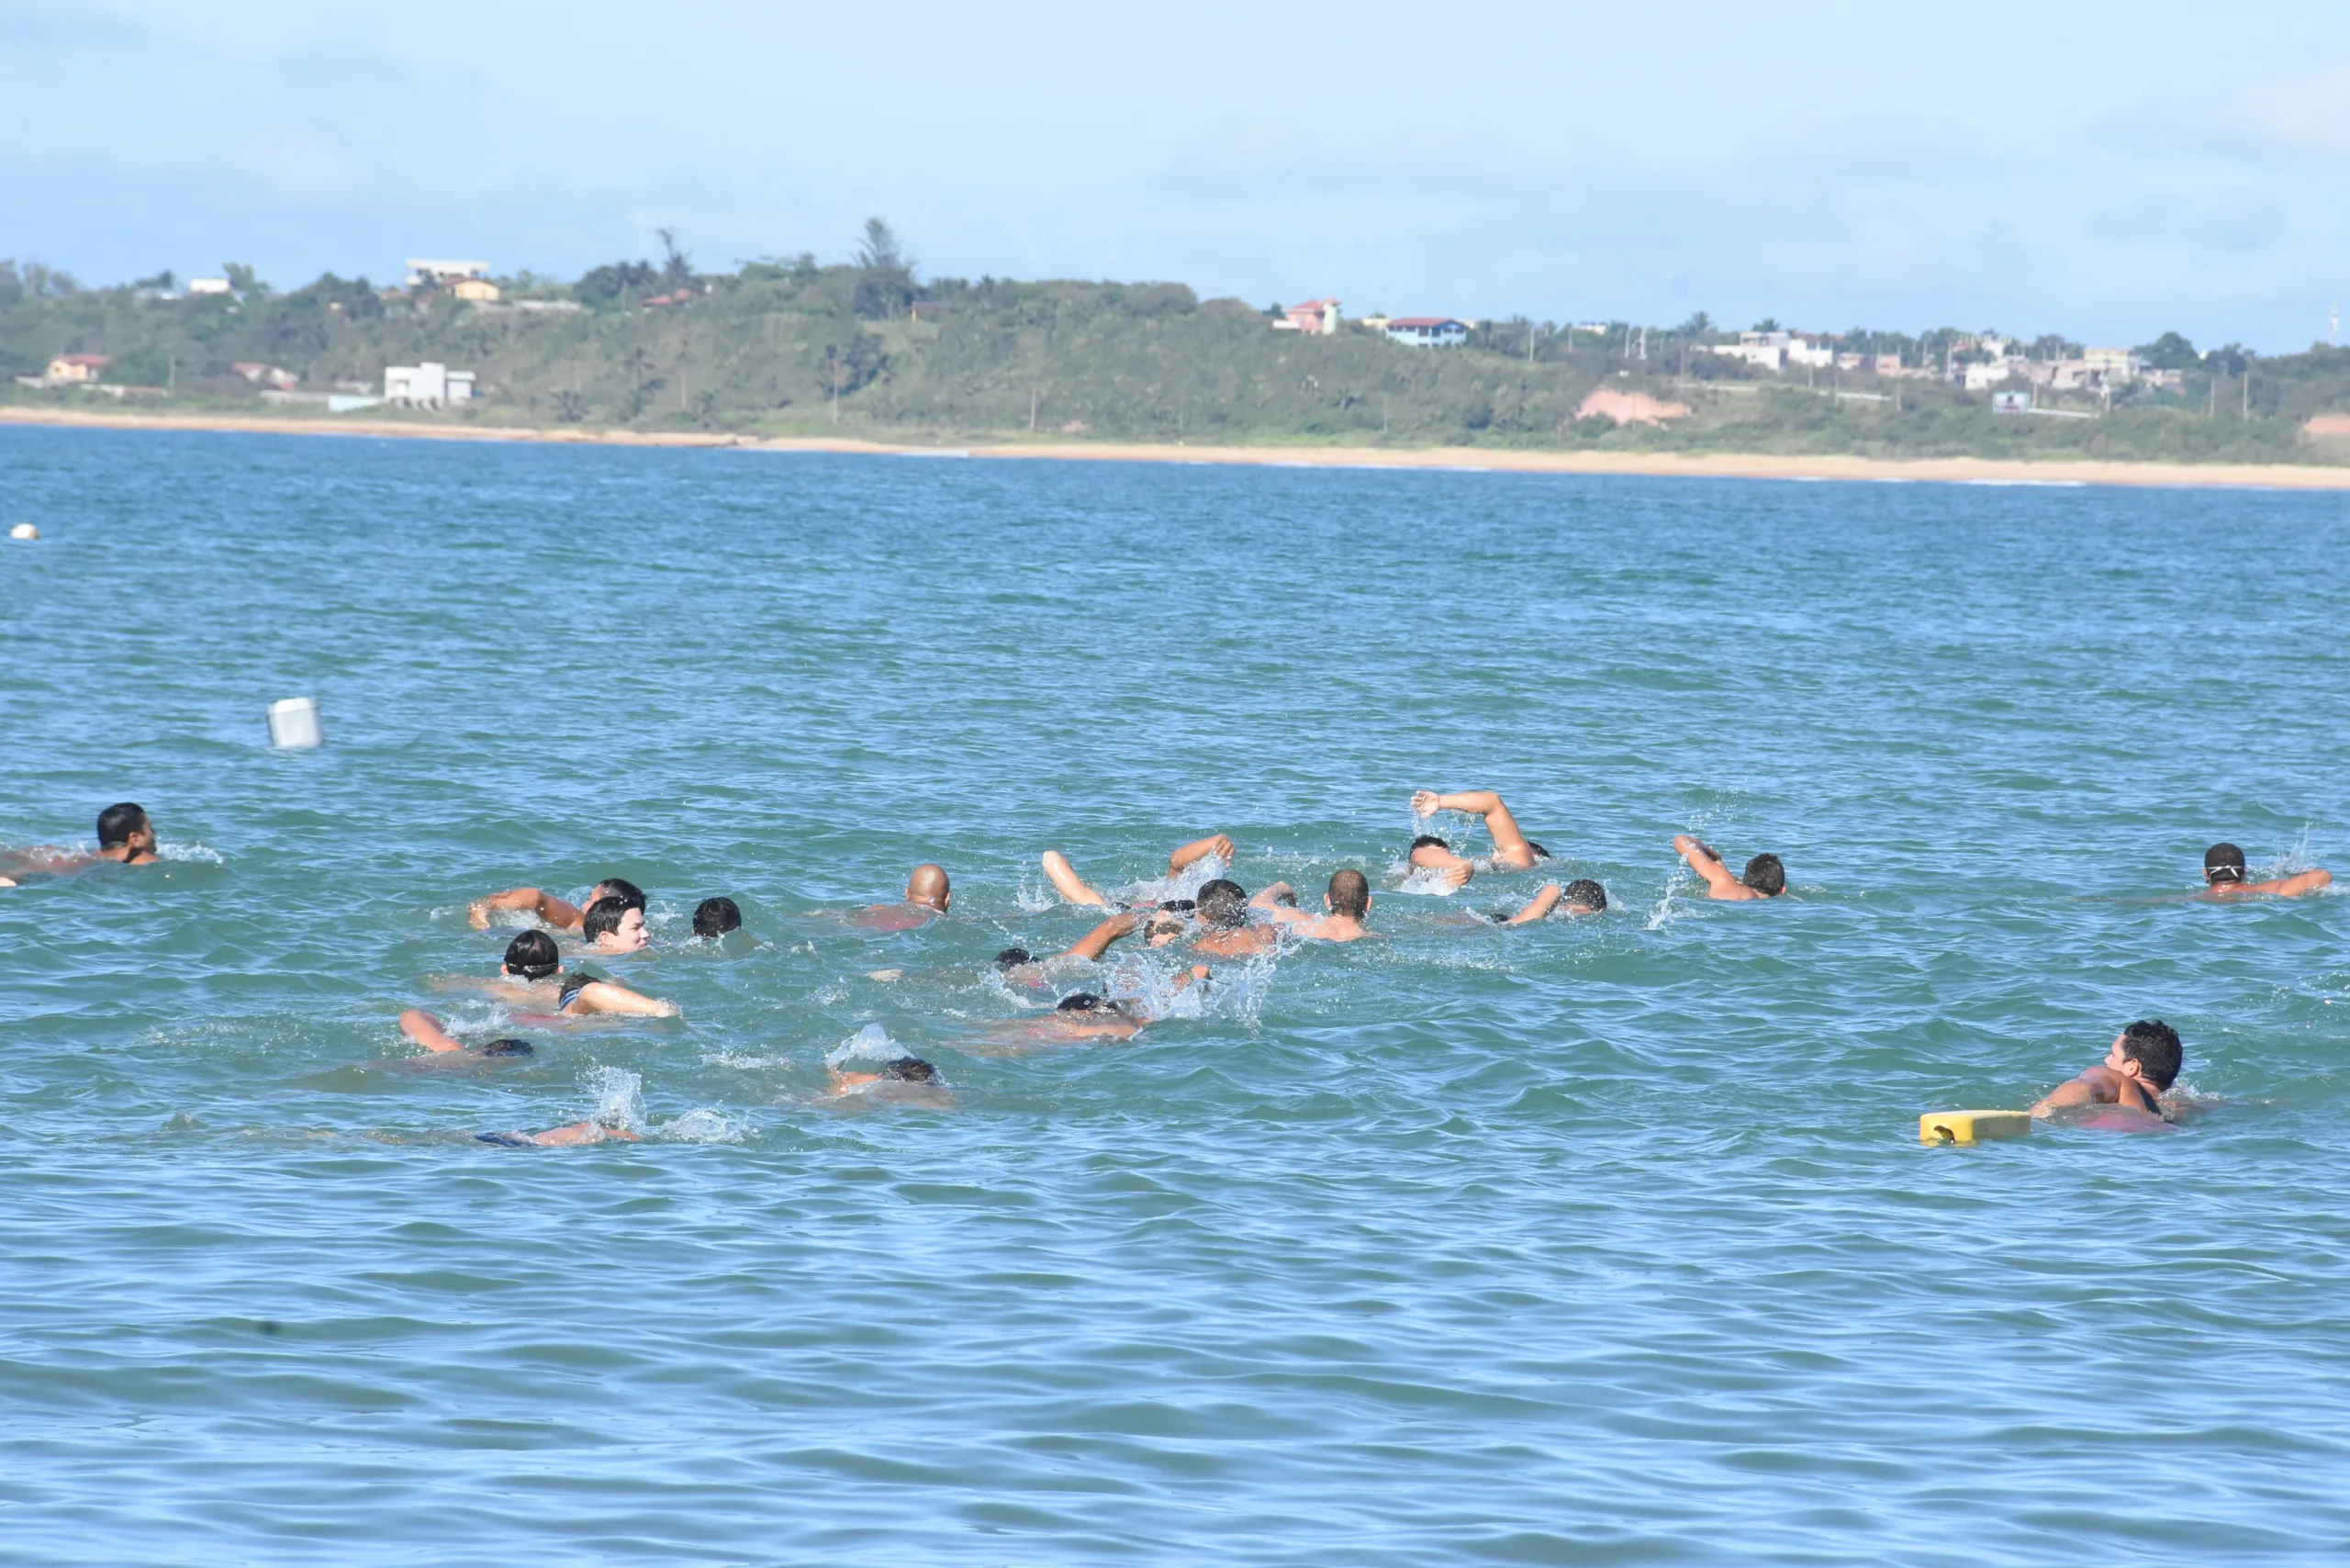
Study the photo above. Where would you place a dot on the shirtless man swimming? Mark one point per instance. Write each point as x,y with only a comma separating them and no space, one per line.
126,837
2224,874
1764,878
1158,927
1347,902
927,895
1582,896
2137,1072
547,909
1074,888
1513,851
1224,913
532,976
426,1031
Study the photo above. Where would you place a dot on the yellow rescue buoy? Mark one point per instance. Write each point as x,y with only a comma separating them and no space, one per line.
1972,1127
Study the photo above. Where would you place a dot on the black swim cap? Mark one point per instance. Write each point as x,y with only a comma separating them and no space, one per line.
1589,894
532,955
911,1069
2224,863
716,917
1427,839
1012,958
507,1048
1079,1002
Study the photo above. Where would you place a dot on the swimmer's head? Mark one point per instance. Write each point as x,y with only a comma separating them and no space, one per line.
1223,903
531,956
1539,853
1585,896
613,926
2222,863
1012,958
928,886
619,888
716,917
1349,893
1765,874
507,1048
1428,841
1079,1002
2155,1047
124,826
911,1069
1164,927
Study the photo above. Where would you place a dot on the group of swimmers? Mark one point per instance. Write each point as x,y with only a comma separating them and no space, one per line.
1219,921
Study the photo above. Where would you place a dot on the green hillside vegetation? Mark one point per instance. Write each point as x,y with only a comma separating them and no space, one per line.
791,348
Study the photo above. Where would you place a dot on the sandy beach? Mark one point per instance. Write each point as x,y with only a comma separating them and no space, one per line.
1720,464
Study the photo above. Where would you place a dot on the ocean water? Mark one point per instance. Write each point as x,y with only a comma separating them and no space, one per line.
1597,1241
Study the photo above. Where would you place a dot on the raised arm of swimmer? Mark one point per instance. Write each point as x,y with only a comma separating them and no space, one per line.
1096,941
1541,905
1215,844
1719,882
426,1031
1072,887
544,907
1511,846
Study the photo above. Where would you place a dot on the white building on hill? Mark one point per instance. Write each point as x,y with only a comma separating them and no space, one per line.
426,386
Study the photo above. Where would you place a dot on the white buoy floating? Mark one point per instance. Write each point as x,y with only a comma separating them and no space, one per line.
24,530
294,722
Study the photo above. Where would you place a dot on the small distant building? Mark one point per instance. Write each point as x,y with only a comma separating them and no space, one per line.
426,386
265,375
1374,323
1982,377
2011,403
1318,317
479,289
424,272
210,286
75,369
1427,332
1767,350
2117,366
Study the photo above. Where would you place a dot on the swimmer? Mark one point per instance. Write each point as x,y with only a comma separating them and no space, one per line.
570,1137
1089,1015
1512,849
1429,853
2136,1074
1074,888
1158,927
532,976
2224,873
426,1031
714,918
1347,899
1224,910
928,894
126,837
1764,876
1582,896
614,925
905,1070
546,908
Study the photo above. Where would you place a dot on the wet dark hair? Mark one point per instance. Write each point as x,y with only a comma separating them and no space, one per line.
1012,958
911,1069
1179,906
604,916
1426,839
1539,853
620,888
1766,876
2153,1045
1349,893
532,955
574,983
2224,863
507,1048
1585,892
1081,1001
119,822
1223,903
716,917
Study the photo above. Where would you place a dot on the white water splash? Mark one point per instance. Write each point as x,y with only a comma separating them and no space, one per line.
704,1124
871,1042
620,1097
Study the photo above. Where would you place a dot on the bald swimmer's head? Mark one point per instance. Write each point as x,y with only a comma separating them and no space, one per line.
928,886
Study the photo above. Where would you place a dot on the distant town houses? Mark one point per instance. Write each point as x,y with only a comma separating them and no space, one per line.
75,369
427,272
269,376
427,385
1318,317
1427,332
210,286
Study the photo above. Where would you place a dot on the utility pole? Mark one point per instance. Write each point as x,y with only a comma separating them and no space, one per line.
2246,415
1032,394
1383,416
835,353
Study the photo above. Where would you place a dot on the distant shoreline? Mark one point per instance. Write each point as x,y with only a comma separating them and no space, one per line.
1712,464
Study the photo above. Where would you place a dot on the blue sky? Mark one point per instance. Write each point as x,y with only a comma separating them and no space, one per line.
2106,170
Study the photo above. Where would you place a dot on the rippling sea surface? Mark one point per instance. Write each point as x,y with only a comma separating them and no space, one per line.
1597,1241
